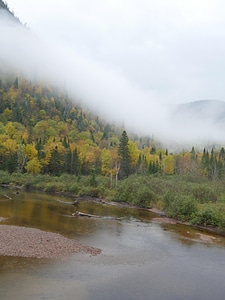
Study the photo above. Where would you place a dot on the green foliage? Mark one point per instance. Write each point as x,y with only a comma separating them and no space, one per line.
133,190
145,197
5,177
204,193
222,198
92,180
208,216
181,206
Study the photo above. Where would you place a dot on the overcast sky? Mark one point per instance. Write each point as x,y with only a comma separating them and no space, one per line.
139,54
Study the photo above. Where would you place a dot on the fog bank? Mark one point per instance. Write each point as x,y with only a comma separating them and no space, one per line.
103,87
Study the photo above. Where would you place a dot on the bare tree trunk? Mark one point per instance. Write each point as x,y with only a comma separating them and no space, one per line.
117,172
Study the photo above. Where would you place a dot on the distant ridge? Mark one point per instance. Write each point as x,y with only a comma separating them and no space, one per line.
212,111
200,122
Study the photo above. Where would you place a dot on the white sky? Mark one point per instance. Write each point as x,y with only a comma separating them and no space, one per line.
136,54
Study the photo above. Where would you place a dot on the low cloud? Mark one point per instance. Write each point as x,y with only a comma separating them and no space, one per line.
108,88
102,87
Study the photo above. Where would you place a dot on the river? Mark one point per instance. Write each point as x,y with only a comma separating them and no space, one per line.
140,259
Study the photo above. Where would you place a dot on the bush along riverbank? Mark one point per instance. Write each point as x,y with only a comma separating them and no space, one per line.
195,200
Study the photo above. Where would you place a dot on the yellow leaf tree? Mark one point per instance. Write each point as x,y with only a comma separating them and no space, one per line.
168,164
134,153
33,166
31,151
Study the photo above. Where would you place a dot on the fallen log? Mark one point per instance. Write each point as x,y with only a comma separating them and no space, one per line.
81,214
7,196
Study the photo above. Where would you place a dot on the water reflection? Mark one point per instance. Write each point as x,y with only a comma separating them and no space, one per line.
54,213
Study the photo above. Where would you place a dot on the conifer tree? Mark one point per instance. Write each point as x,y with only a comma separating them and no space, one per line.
205,160
124,154
55,165
16,83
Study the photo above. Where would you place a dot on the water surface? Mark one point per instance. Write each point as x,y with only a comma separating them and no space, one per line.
140,258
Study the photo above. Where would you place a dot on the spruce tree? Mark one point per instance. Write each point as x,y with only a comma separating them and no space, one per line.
124,154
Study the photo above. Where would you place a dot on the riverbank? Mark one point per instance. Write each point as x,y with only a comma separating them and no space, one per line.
31,242
197,204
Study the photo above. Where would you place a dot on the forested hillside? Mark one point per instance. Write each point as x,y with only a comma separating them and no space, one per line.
43,131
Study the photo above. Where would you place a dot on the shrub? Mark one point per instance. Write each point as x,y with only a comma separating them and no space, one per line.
4,177
222,198
204,193
181,207
136,191
73,187
54,187
94,192
168,198
145,196
208,216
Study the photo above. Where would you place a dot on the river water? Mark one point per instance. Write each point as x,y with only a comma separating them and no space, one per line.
140,259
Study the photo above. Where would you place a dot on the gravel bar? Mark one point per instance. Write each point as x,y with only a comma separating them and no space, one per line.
31,242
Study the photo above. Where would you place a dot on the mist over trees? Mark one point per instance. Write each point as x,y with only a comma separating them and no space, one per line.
106,89
43,132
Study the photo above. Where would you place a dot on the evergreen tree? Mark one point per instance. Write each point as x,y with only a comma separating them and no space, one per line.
153,167
213,168
74,162
142,165
157,167
106,133
93,181
194,162
11,163
55,164
160,156
193,155
65,142
153,150
205,160
16,83
222,161
124,154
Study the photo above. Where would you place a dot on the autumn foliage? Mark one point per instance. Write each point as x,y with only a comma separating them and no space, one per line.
43,131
